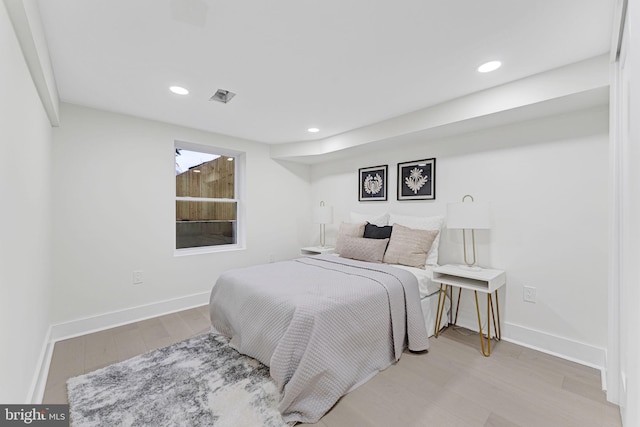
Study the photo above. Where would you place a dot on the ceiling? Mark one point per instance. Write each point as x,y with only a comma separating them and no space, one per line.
336,65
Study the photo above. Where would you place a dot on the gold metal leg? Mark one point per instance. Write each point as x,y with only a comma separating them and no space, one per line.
436,327
493,315
442,301
489,306
498,332
486,353
490,317
455,321
485,343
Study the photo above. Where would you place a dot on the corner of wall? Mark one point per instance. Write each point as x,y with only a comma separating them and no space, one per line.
25,17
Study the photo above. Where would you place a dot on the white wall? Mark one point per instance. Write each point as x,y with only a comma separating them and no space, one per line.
630,291
546,180
624,339
25,221
114,196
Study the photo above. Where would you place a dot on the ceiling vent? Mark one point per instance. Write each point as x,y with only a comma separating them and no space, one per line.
223,96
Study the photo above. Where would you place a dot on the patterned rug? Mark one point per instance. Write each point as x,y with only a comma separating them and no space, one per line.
198,382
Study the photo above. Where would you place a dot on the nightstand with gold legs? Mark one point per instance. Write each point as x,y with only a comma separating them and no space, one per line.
486,281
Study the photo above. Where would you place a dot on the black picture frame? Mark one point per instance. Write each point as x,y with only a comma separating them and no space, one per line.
372,183
417,180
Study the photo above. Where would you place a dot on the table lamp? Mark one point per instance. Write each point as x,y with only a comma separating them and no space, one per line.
322,215
469,215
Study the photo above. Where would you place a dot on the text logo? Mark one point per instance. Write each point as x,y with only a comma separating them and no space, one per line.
34,415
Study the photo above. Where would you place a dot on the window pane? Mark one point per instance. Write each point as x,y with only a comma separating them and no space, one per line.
205,224
211,179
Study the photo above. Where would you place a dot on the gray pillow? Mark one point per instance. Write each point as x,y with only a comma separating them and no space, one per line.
409,246
371,250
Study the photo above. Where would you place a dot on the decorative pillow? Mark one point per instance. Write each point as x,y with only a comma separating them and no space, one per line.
371,250
372,231
379,220
409,246
422,223
347,229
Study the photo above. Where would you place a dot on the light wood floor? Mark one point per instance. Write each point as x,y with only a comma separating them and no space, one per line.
80,355
451,385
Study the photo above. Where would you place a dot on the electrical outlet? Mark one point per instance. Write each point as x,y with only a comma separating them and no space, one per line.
529,294
137,277
272,257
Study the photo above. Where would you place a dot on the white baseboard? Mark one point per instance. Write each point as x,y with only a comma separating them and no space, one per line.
101,322
565,348
112,319
575,351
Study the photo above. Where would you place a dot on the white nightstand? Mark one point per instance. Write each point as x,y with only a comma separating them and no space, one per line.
486,281
317,250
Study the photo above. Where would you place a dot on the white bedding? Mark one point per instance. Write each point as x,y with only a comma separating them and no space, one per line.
425,279
430,310
428,295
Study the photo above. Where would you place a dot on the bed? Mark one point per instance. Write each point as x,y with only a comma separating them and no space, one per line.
326,324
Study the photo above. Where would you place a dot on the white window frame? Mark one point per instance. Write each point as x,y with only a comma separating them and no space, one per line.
239,186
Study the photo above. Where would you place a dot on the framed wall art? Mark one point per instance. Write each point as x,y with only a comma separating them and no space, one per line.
417,180
372,183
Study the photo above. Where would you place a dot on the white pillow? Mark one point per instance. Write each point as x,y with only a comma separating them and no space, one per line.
379,220
422,223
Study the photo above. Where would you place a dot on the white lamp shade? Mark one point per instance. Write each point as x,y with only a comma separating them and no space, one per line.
323,215
468,215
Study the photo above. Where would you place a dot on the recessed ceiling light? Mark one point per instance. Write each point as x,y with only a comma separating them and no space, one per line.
230,159
178,90
313,130
489,66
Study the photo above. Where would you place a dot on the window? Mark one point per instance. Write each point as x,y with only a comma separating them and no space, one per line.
207,201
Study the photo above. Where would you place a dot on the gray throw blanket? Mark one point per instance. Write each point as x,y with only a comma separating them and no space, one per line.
323,324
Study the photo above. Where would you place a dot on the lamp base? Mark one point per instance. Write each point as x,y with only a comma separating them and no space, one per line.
470,267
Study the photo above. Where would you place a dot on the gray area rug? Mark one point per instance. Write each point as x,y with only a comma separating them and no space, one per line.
198,382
